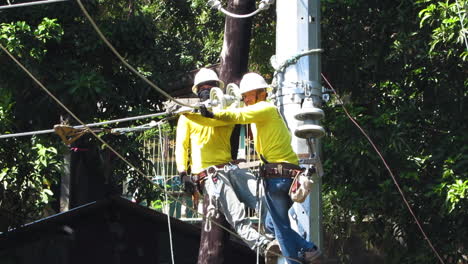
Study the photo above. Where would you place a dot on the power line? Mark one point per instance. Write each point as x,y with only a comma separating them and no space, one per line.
389,171
83,126
31,3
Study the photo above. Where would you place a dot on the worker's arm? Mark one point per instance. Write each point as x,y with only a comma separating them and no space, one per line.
205,121
182,144
256,113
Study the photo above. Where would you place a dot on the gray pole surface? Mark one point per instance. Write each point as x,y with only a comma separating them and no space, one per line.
299,88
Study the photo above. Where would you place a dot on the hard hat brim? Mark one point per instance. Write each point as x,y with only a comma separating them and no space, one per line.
267,89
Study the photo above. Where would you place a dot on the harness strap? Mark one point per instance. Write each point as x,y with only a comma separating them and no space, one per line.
210,212
213,189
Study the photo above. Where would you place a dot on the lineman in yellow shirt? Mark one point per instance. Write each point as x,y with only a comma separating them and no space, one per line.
272,142
207,150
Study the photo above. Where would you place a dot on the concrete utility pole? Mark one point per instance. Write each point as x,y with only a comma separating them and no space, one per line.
300,92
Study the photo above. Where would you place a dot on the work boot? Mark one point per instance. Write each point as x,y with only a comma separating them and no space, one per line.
312,256
272,251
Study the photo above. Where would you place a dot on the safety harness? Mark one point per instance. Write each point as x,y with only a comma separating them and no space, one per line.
214,185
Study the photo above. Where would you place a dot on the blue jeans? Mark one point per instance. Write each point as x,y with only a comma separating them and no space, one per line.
277,220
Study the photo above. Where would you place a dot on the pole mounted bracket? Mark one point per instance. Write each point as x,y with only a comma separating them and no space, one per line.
312,88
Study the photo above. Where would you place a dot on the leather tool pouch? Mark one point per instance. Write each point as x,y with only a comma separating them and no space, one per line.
301,186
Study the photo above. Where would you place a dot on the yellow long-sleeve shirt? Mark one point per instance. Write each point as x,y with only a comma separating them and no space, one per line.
201,146
272,138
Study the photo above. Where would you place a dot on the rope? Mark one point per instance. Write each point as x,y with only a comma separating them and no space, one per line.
259,206
388,169
96,28
216,4
165,193
210,212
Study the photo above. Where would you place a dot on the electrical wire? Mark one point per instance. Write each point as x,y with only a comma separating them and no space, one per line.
31,3
388,169
32,133
165,192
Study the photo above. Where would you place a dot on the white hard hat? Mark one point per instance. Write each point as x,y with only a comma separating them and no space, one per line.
252,81
206,75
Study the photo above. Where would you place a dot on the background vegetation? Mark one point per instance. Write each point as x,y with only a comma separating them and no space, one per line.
400,67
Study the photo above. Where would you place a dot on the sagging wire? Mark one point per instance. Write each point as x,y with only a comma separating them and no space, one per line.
165,192
388,169
116,53
216,4
112,149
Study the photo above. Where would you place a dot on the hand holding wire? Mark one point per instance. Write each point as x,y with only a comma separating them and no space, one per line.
205,112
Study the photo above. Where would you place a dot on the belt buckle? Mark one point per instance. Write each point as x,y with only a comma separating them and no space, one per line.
280,169
211,170
194,178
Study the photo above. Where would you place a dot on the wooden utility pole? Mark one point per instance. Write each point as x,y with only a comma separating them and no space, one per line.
234,64
237,35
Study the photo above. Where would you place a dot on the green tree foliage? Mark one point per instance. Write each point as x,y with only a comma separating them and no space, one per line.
448,22
399,66
28,171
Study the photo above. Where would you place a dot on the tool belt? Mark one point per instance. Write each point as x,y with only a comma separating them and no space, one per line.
279,170
200,177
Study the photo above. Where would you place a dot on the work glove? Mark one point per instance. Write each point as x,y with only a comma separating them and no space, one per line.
205,112
189,185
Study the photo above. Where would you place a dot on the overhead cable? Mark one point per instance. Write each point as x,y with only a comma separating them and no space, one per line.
264,4
388,169
31,3
32,133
